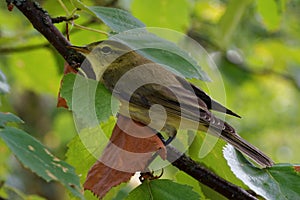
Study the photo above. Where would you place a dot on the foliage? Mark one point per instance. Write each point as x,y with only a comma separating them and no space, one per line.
276,182
36,157
159,189
255,46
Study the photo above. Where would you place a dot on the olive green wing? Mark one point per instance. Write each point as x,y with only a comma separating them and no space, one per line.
211,104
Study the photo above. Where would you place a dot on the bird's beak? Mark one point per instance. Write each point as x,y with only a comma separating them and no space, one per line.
84,50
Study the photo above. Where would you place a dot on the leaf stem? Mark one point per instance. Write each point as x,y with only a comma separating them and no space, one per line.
90,29
149,189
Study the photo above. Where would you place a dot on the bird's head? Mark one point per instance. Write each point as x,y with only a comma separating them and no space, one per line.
99,56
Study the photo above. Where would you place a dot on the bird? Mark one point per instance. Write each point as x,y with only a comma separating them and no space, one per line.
156,97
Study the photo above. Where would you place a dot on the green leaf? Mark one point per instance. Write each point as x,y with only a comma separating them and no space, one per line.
79,157
88,99
38,159
162,189
82,149
118,20
183,178
4,87
211,156
207,150
8,117
162,51
269,11
277,182
38,79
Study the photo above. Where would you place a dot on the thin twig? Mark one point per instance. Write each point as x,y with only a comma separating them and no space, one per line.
42,22
90,29
7,50
60,19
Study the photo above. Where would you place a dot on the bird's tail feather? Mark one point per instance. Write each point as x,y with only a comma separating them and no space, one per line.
248,149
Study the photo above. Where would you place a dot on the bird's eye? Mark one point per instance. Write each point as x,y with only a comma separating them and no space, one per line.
106,50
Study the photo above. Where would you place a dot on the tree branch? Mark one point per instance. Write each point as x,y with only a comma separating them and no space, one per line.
42,22
203,175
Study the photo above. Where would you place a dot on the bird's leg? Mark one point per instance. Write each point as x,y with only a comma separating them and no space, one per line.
150,175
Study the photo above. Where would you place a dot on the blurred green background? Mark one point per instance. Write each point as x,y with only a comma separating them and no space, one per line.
254,43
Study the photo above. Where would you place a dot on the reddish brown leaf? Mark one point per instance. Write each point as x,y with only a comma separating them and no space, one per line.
61,102
123,156
297,168
102,178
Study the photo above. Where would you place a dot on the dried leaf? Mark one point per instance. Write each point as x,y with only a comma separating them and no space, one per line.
61,102
297,168
123,156
102,178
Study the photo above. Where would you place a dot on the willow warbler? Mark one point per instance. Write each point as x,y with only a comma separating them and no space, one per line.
147,86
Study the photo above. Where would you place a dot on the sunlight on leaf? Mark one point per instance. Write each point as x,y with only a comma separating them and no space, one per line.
214,160
276,182
269,12
8,117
